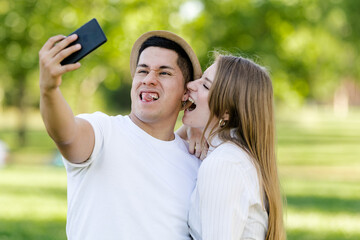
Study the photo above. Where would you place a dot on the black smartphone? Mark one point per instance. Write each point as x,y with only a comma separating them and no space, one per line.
90,36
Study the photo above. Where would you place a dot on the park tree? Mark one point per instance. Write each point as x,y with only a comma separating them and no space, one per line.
29,23
308,46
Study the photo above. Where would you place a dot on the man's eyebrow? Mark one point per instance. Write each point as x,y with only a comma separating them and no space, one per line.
142,65
161,67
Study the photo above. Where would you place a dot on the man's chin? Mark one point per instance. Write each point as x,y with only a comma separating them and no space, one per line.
145,116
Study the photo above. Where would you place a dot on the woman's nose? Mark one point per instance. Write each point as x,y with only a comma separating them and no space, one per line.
192,86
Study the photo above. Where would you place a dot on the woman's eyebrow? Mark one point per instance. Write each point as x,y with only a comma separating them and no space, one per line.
207,79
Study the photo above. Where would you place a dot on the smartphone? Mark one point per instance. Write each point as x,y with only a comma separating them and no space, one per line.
90,36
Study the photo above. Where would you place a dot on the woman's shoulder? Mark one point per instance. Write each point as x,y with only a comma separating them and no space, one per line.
230,157
232,164
230,153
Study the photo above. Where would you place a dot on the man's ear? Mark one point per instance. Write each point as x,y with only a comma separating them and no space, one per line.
185,97
184,101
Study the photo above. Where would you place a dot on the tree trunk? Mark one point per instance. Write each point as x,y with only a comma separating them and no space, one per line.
21,106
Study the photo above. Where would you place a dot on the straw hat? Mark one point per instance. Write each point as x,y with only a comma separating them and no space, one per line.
168,35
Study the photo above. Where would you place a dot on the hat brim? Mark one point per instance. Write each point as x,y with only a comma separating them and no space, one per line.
168,35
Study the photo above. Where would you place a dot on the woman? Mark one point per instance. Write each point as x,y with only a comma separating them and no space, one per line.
237,195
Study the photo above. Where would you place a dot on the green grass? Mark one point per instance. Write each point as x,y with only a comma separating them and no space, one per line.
318,155
32,202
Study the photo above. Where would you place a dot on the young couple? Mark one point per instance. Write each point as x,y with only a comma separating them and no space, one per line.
131,177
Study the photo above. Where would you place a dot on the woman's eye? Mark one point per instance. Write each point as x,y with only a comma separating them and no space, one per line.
142,71
206,87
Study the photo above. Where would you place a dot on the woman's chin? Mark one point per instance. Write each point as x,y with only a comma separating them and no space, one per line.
194,120
193,123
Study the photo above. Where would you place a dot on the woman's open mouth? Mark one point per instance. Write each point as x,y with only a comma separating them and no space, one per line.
192,106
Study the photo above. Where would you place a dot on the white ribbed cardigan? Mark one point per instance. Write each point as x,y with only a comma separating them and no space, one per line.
226,202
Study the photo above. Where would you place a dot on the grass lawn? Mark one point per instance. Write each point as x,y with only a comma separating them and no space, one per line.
318,156
32,202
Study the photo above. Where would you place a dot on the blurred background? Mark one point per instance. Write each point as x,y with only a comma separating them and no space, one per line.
310,47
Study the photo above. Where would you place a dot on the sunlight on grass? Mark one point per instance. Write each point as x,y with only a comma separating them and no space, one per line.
35,176
345,223
319,154
327,173
32,192
32,202
319,167
42,208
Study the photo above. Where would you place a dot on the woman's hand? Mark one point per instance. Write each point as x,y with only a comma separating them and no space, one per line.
197,144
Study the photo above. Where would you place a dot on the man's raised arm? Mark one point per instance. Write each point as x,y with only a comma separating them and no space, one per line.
73,136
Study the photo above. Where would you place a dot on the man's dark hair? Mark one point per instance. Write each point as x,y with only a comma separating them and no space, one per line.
183,60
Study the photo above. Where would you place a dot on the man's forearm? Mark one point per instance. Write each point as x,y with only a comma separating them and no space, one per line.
74,137
58,117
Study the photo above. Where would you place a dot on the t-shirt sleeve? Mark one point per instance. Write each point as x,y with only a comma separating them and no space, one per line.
224,200
97,121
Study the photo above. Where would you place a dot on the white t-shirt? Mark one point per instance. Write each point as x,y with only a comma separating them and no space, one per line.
226,203
134,186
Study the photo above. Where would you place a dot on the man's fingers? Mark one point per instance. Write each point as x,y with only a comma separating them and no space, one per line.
62,44
67,52
69,67
58,71
49,52
51,42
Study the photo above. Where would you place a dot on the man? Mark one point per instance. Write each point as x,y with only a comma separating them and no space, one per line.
129,177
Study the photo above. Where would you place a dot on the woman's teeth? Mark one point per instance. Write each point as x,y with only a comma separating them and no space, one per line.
192,106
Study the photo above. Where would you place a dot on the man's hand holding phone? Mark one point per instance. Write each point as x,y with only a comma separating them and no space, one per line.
61,54
74,137
51,54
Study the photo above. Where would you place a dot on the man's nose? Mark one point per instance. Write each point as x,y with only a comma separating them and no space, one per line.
151,78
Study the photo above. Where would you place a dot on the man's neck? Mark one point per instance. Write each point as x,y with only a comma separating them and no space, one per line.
160,130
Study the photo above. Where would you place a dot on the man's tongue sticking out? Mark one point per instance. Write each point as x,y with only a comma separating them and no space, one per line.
148,97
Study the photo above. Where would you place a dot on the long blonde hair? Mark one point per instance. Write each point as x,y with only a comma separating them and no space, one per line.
243,90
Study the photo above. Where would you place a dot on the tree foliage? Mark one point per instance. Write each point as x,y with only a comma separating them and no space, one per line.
309,46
